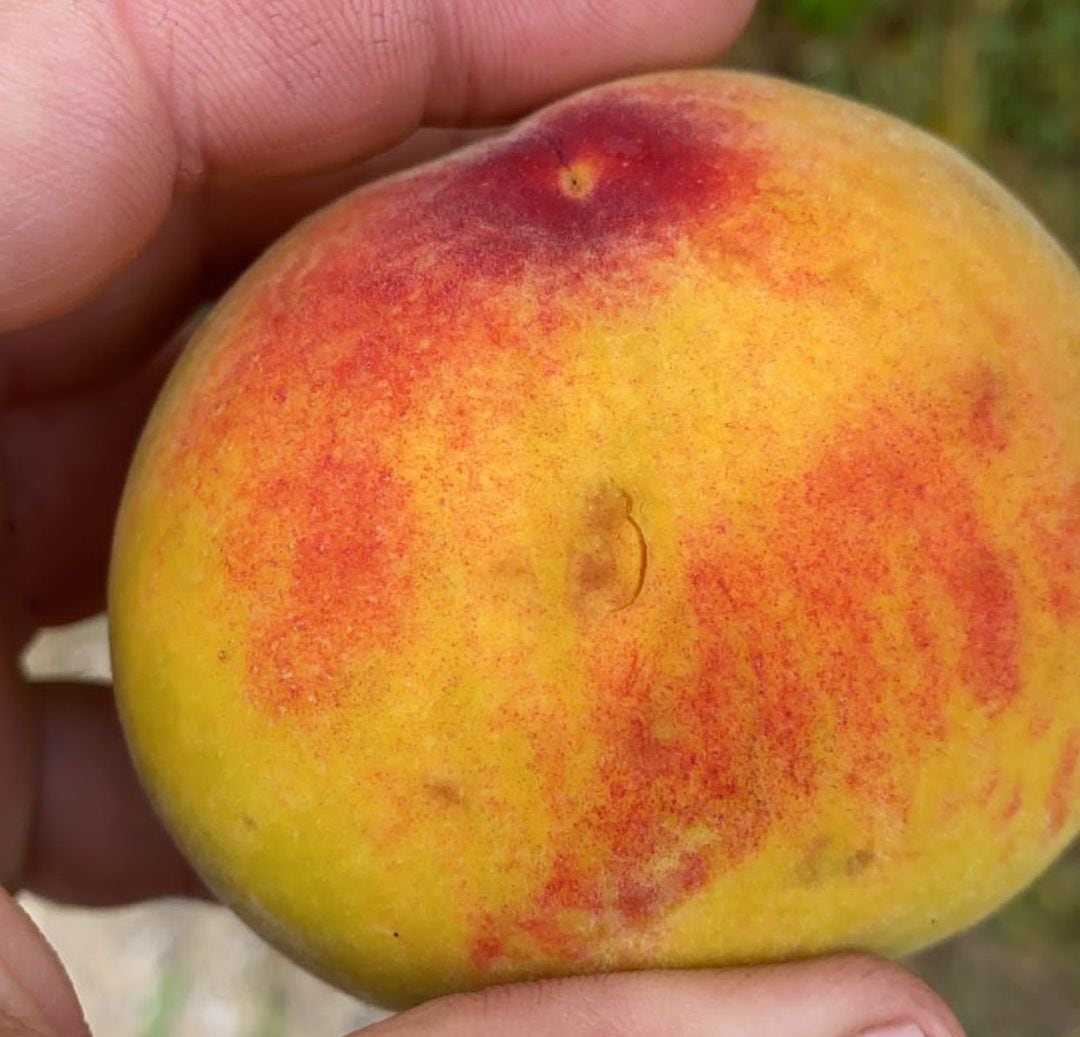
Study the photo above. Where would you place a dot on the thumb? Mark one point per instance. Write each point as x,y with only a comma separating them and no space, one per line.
844,996
36,996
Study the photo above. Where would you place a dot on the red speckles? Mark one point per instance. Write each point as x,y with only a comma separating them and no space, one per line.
989,426
981,584
1061,801
889,513
321,552
1013,803
835,626
678,756
986,793
1060,543
678,765
1039,727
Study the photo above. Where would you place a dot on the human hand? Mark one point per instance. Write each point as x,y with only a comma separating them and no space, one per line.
148,150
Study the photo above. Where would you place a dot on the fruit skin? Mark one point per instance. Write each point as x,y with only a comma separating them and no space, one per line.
652,538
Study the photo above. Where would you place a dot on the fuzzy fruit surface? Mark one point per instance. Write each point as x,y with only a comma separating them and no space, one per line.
651,538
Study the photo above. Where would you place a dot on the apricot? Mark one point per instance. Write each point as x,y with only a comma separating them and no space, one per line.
650,538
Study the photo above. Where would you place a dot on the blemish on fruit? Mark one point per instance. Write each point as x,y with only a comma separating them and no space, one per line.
578,179
1062,788
1013,803
1057,526
985,390
445,792
608,555
486,951
606,177
808,868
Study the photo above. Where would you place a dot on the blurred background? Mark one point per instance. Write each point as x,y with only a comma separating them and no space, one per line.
1001,80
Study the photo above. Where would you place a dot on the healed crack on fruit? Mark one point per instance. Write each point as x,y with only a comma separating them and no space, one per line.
609,554
643,552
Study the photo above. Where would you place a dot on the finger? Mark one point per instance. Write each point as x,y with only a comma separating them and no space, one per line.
63,467
109,336
203,243
94,838
18,771
844,996
63,463
172,94
36,996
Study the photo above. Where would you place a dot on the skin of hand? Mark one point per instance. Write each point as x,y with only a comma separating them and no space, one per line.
149,149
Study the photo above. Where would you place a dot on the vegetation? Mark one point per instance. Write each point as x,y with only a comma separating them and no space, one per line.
998,78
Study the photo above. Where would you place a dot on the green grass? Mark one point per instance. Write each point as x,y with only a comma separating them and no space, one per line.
166,1002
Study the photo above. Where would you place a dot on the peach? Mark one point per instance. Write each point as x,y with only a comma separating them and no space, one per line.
651,538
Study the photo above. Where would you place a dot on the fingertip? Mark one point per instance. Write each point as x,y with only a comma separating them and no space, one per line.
86,162
96,840
498,59
840,996
36,996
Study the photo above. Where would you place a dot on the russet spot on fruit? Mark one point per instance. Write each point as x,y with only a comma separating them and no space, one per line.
650,538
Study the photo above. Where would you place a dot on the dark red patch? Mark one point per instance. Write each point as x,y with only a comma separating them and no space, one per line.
1063,792
655,170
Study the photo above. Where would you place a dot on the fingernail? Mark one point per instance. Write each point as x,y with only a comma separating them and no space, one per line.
893,1030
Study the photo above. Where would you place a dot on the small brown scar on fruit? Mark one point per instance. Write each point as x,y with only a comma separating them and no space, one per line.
445,792
808,869
821,861
610,553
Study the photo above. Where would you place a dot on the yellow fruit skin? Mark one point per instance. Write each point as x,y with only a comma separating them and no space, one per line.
648,539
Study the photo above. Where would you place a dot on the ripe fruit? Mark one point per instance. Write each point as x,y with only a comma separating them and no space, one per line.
652,538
